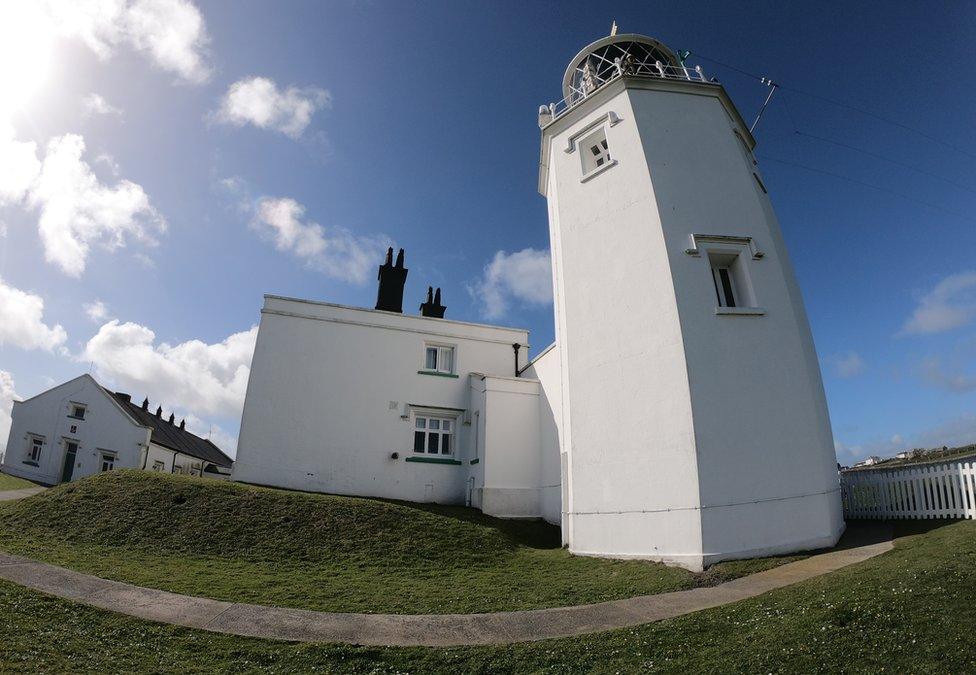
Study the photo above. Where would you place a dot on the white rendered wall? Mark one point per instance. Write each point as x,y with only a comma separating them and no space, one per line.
330,393
105,427
631,470
546,369
691,436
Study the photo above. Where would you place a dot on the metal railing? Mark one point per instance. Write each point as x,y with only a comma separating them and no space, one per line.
589,85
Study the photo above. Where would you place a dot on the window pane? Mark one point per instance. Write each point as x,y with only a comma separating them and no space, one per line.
432,443
445,444
418,441
421,422
431,363
447,360
435,424
723,274
446,425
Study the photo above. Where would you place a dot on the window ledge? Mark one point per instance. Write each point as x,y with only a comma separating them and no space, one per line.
740,311
597,171
433,460
30,463
436,374
75,417
476,460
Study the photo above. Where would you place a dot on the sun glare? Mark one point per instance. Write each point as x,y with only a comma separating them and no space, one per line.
25,53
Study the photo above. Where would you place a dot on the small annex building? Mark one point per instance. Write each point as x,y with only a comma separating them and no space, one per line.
80,428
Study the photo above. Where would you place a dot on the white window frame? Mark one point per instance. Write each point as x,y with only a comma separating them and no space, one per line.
158,465
592,163
107,457
725,285
33,439
441,349
421,423
77,406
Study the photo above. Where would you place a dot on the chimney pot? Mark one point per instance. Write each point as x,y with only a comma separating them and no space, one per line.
389,295
433,307
145,403
171,418
159,411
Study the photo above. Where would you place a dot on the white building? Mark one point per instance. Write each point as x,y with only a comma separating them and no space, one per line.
680,414
80,428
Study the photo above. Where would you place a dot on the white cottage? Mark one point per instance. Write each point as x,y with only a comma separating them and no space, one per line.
679,416
80,428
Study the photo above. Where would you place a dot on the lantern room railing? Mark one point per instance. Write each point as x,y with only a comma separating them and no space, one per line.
587,86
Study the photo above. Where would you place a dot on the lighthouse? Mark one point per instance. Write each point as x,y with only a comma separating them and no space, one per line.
693,425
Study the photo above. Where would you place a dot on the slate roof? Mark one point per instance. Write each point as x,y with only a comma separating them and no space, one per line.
170,435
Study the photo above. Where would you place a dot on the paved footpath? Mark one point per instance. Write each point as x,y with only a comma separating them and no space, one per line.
9,495
862,541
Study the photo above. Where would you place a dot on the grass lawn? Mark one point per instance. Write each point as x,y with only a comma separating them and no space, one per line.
248,544
909,610
8,482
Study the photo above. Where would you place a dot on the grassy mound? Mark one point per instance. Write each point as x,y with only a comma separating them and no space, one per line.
908,611
8,482
259,545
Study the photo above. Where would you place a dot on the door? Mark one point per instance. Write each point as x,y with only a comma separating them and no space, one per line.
71,449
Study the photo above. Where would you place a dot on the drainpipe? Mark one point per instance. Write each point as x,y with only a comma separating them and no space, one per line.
516,346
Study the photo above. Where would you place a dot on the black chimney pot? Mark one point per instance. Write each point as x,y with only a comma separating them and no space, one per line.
389,296
159,411
183,424
433,307
145,403
171,418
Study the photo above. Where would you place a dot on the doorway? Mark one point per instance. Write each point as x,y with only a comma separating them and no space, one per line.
70,451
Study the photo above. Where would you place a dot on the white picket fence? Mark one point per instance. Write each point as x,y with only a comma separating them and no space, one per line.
929,491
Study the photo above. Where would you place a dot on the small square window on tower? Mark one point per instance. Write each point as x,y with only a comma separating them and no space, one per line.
595,152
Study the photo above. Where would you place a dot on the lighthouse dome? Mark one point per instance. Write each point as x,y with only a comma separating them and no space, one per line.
603,60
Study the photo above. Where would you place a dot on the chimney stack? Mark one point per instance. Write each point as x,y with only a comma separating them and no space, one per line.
392,278
433,307
183,424
123,396
145,403
159,411
172,417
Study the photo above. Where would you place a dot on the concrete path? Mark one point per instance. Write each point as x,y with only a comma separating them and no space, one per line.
9,495
862,541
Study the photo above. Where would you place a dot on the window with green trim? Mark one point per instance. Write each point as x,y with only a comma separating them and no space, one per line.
433,435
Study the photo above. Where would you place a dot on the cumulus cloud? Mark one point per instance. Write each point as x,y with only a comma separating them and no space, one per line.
19,166
192,375
77,210
95,104
172,33
22,321
934,373
259,101
523,277
847,365
334,251
217,435
950,304
7,397
96,311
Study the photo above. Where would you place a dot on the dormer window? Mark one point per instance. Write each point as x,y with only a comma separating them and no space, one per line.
77,411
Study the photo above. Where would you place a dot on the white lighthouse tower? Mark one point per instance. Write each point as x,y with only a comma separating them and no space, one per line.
693,423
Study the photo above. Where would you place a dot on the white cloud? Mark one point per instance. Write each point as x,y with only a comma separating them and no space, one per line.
193,375
951,304
22,321
77,210
171,32
96,311
19,165
95,104
934,373
259,101
524,276
335,251
218,436
849,364
7,397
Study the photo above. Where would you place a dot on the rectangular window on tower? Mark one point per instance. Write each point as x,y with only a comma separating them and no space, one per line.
595,153
724,285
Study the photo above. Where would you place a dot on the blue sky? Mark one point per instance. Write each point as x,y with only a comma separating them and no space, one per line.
237,149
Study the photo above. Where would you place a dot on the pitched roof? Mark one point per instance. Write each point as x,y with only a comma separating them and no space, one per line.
170,435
